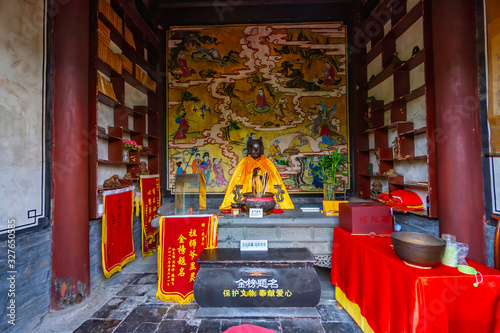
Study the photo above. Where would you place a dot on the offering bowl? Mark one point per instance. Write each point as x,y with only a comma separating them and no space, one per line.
418,249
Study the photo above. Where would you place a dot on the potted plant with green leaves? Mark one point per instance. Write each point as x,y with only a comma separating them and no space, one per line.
329,168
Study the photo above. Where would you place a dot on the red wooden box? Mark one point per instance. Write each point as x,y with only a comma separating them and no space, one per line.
365,217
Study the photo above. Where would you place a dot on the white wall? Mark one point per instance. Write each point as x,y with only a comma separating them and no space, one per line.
22,111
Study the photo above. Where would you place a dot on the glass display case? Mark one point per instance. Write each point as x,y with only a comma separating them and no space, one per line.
190,194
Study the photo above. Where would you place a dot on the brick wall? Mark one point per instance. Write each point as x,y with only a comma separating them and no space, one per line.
33,278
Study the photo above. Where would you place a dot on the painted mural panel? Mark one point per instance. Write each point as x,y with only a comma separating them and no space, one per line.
286,83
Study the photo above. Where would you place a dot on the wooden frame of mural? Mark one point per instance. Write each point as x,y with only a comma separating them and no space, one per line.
286,83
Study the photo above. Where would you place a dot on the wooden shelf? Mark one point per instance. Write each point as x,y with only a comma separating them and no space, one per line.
128,50
145,110
116,162
377,136
108,137
147,154
104,99
138,122
416,185
412,158
416,131
377,175
149,136
397,30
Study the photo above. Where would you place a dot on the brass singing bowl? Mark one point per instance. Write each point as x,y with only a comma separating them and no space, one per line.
418,249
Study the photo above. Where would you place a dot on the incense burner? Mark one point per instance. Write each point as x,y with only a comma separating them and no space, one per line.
265,201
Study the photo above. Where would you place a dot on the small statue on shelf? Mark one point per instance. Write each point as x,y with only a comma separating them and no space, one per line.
143,168
111,182
146,150
396,148
376,190
415,50
127,176
395,59
391,172
368,118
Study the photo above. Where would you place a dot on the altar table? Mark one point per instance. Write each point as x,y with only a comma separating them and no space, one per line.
390,296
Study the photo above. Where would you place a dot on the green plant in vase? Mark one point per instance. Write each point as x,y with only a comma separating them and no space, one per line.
330,166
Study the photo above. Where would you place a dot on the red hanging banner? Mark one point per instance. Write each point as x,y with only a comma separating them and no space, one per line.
182,239
117,237
150,201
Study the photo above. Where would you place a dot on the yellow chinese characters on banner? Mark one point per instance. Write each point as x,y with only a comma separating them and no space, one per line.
182,239
150,201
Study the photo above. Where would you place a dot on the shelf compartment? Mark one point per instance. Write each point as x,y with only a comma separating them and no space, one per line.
415,60
412,158
416,185
144,109
416,131
105,99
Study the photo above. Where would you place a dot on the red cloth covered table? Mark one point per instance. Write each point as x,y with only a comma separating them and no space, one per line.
394,297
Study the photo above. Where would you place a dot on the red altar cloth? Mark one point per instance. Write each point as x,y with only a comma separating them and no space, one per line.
394,297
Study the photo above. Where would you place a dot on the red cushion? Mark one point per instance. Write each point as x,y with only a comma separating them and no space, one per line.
246,328
407,198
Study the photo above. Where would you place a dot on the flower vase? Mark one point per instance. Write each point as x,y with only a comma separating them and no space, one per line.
126,157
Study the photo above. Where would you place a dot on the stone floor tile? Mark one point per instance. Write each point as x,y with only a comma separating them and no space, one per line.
301,326
147,278
98,326
185,311
330,313
135,290
109,308
140,315
209,326
341,328
147,328
121,278
126,307
176,326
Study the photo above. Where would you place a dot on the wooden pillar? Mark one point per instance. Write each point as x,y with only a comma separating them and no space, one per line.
70,156
458,138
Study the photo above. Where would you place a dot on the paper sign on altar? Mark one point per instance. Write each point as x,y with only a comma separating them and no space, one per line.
150,201
117,236
182,239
